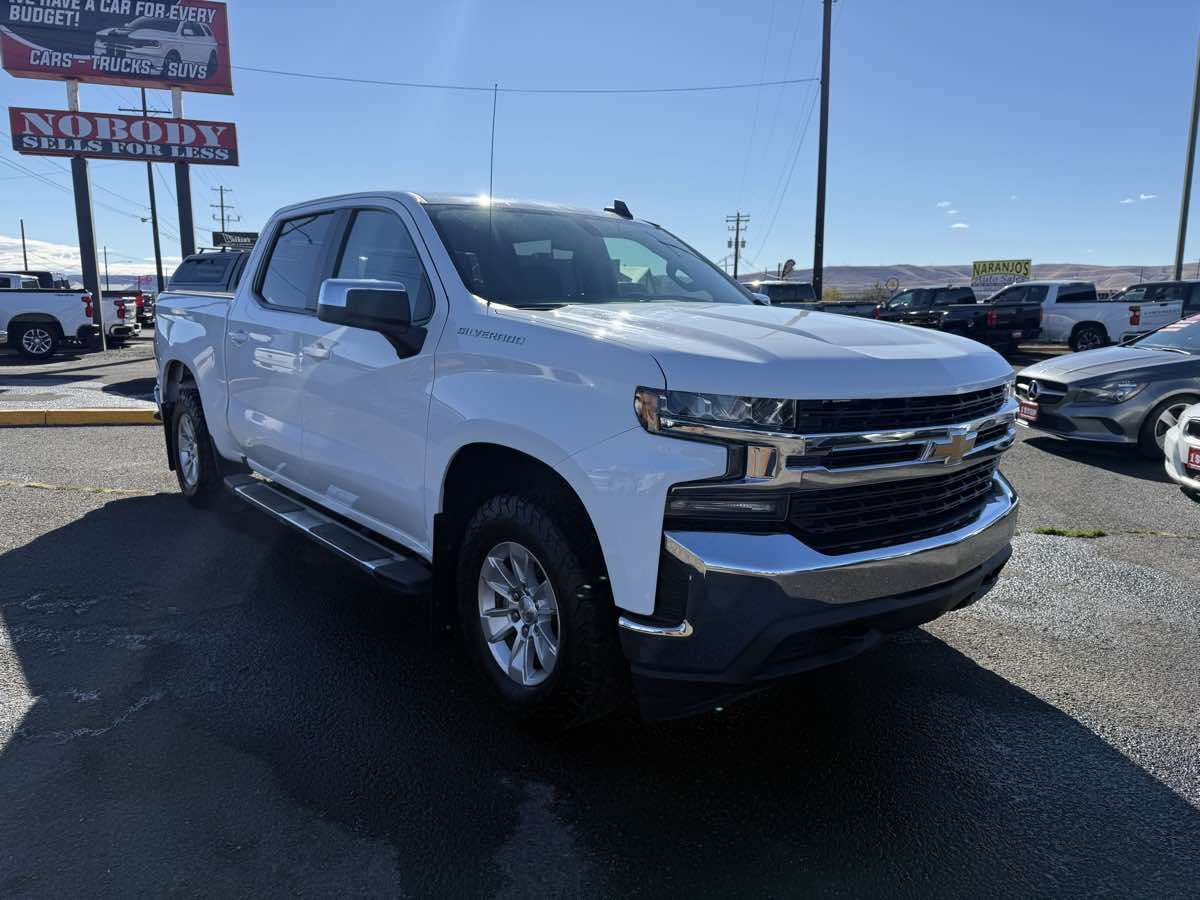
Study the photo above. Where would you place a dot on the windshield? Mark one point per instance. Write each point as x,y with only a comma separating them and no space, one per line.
538,258
1182,336
153,24
906,299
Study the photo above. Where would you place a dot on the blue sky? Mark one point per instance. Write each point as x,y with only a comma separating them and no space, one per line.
1027,122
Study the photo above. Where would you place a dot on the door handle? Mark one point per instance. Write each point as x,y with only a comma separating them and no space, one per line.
238,337
316,351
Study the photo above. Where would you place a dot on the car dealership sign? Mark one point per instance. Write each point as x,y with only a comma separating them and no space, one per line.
170,43
51,132
996,272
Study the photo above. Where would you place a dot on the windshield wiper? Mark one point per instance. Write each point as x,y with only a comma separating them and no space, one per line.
1168,349
543,304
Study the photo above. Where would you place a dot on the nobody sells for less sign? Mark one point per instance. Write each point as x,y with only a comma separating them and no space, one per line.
49,132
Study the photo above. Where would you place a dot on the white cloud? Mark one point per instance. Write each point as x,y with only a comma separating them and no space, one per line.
65,258
942,204
1147,196
1012,196
952,212
960,225
1127,200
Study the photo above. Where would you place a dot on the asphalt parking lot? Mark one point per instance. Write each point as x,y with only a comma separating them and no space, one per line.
203,703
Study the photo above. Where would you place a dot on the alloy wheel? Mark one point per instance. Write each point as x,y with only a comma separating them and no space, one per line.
1167,421
518,614
186,450
37,341
1088,339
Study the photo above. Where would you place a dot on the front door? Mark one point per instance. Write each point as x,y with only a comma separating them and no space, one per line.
366,410
265,339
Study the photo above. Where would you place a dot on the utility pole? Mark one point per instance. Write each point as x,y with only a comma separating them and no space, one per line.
737,223
107,286
818,275
1185,200
153,203
24,254
226,209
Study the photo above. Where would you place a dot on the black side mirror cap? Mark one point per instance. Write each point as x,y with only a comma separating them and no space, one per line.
380,306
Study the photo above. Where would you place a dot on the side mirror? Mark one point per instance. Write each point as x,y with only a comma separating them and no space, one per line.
761,299
380,306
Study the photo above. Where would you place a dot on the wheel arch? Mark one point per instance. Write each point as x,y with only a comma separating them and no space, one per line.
36,318
480,470
1089,323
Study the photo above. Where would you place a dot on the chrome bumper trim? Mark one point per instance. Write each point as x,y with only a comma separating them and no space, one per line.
682,630
802,572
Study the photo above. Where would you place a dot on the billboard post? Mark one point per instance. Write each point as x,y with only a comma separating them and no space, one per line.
86,225
183,188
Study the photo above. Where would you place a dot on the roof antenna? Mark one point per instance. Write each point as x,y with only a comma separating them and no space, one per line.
620,209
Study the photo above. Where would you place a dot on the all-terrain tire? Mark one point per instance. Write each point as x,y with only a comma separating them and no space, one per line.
200,481
590,675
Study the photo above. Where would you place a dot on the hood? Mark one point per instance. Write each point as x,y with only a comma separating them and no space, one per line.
770,351
1072,368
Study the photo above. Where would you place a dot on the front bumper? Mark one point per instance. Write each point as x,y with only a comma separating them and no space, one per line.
1113,423
1175,451
763,607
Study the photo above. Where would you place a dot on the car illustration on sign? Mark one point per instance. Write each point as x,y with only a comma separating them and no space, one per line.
174,48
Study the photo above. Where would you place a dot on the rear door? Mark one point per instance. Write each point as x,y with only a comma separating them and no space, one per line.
1163,305
366,410
271,322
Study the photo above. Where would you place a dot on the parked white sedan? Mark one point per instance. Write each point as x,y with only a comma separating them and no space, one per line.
1182,449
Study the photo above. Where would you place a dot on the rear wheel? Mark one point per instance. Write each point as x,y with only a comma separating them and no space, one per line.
532,615
37,340
196,466
1161,420
1088,337
212,64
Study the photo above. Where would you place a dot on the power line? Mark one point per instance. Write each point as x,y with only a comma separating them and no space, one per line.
479,88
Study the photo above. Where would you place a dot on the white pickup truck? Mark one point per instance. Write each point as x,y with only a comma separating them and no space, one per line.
36,321
1073,314
590,444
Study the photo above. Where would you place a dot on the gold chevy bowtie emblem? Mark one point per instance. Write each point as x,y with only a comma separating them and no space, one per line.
952,450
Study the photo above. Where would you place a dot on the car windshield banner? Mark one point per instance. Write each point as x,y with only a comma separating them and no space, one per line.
175,43
52,132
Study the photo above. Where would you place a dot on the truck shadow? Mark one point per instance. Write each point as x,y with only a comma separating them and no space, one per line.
239,710
1118,460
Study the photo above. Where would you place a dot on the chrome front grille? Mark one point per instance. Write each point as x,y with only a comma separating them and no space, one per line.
1047,393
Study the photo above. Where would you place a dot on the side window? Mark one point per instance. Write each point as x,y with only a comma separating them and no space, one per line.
190,30
290,279
1077,293
1192,303
379,247
1036,293
943,298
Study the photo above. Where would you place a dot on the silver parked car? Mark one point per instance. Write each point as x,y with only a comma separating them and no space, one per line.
1130,395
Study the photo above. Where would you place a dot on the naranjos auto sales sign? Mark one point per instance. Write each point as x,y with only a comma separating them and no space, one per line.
1000,271
163,44
51,132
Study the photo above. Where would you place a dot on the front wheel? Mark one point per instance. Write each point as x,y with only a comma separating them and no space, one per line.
196,465
1088,337
1162,419
533,615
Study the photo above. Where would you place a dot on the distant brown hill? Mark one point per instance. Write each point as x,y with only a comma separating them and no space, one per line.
854,278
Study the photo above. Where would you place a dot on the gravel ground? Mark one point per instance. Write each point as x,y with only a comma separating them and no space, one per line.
206,704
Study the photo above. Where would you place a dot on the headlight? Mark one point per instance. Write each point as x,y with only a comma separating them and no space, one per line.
1112,392
1010,389
662,411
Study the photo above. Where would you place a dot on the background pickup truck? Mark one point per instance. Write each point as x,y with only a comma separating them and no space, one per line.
1073,314
998,322
36,321
584,442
